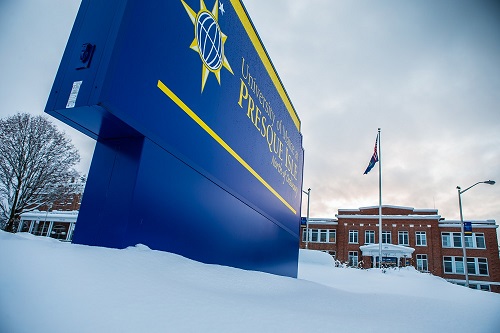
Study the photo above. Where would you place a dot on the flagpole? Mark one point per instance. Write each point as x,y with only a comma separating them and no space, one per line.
379,201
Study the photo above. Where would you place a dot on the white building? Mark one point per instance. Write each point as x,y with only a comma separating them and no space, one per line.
56,224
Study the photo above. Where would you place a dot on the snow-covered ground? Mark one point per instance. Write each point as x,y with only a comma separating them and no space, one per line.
49,286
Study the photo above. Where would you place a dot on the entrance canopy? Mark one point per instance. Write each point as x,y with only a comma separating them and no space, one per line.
388,250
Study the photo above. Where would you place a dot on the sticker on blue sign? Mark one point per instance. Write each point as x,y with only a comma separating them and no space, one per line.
74,94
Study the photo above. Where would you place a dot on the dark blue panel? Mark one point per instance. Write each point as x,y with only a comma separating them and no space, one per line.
108,199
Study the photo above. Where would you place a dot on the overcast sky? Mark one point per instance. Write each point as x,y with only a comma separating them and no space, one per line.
427,72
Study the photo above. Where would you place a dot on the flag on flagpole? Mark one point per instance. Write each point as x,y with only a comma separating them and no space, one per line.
374,158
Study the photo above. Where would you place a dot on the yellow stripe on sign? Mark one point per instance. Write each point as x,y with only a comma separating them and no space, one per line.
220,141
265,59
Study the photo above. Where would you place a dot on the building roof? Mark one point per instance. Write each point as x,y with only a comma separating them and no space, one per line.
388,212
388,250
56,216
475,223
319,220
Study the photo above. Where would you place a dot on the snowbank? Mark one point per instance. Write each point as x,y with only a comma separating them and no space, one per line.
50,286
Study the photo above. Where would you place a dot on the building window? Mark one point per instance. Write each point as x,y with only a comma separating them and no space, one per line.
445,239
59,230
454,239
448,264
469,241
386,237
70,231
24,226
322,235
332,236
353,236
41,228
422,263
484,287
319,235
480,243
314,235
421,238
475,266
459,265
369,237
454,265
475,241
353,258
403,238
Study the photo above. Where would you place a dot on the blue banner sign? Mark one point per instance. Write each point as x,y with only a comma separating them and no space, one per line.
468,228
199,150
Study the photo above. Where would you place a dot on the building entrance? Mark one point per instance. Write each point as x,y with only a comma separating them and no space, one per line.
392,255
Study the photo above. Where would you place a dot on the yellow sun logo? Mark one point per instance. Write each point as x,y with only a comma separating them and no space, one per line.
208,40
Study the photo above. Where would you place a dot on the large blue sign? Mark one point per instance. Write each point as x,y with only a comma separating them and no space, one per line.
199,150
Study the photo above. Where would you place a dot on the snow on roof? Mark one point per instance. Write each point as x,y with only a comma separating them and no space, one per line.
418,210
58,216
320,220
388,206
391,217
349,209
476,223
387,250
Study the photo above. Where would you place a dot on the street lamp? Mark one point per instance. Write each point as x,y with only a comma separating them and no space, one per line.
466,270
307,218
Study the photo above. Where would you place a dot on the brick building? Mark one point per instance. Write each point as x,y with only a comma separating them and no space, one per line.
416,237
57,219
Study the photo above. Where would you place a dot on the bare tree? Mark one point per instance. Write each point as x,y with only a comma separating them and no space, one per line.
36,165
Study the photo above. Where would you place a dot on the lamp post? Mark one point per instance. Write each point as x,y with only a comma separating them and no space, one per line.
307,218
460,191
